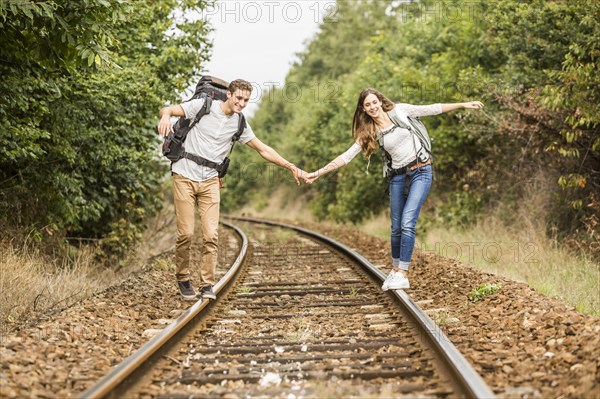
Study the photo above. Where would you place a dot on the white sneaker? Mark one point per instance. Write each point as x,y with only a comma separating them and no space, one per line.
388,280
398,282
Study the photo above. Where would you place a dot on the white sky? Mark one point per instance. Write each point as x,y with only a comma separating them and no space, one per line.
257,40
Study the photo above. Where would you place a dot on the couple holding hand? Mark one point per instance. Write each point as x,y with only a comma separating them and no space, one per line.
371,127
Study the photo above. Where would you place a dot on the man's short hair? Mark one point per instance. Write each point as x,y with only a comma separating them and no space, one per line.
239,84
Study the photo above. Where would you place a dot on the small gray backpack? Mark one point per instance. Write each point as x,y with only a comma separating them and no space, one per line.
417,128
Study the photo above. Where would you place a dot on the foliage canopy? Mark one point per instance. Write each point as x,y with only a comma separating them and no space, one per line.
81,85
533,64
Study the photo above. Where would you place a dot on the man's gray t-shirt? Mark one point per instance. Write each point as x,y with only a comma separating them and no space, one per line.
210,138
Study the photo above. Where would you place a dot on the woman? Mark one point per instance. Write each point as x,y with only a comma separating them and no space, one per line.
371,120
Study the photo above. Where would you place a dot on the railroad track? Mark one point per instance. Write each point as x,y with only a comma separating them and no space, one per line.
304,317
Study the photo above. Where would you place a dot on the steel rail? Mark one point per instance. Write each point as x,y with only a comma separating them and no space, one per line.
126,368
466,377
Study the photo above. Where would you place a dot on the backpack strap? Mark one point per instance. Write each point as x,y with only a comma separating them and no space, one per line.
425,152
386,158
200,160
205,110
236,137
241,128
186,128
396,120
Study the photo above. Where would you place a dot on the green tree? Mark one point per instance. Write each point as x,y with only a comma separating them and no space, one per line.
534,65
78,110
307,119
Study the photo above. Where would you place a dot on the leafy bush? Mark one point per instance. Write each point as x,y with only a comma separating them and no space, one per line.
82,84
533,64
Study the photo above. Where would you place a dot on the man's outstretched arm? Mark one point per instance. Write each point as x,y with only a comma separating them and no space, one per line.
272,156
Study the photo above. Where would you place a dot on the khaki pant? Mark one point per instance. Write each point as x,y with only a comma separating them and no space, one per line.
206,194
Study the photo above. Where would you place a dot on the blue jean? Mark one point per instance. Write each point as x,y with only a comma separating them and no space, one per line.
404,212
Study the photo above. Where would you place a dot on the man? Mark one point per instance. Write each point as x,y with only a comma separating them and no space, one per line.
210,138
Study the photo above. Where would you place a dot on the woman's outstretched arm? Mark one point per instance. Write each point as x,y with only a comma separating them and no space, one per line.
467,105
337,163
435,109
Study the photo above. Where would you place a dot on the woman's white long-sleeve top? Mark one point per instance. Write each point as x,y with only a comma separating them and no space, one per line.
402,145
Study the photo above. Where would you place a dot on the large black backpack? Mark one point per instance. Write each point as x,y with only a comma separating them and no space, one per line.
209,88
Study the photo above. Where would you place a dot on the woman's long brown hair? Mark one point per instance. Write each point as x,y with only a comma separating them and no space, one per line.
363,126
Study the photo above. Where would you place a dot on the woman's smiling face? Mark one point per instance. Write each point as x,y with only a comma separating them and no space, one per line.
372,106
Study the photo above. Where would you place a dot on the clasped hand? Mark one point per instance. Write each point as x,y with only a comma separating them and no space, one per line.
298,174
301,174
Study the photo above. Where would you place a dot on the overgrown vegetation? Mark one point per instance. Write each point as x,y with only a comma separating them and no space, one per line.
32,286
82,83
533,64
522,251
81,86
35,283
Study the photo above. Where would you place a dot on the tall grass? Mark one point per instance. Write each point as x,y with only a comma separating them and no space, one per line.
511,240
523,253
32,285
